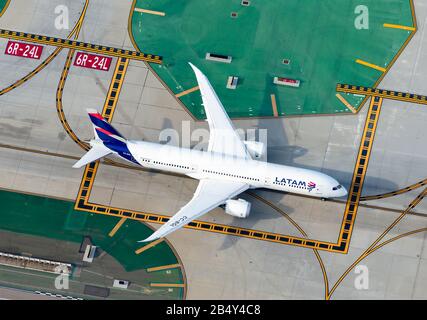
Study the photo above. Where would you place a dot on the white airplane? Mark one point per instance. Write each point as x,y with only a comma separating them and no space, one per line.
228,167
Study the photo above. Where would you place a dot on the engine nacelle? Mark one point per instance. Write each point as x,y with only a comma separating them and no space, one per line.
256,149
238,208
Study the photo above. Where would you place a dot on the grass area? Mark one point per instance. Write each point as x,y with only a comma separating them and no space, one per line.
318,37
56,219
3,4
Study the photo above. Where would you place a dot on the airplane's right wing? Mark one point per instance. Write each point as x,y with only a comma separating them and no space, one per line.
209,195
223,136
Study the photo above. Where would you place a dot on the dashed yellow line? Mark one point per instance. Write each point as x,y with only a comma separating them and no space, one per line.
157,13
371,65
184,93
117,227
398,26
148,246
166,267
346,103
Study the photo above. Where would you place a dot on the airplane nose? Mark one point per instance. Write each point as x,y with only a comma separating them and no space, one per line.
343,192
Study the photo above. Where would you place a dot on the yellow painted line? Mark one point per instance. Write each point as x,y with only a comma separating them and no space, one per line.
117,227
274,105
167,285
397,26
370,65
148,246
157,13
6,5
183,93
346,103
166,267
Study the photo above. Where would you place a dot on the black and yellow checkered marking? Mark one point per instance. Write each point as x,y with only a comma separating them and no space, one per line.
385,94
78,45
359,173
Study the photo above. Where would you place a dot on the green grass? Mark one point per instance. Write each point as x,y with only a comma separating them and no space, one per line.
56,219
2,4
318,37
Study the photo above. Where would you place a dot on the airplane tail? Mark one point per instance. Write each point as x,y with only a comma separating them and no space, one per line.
107,140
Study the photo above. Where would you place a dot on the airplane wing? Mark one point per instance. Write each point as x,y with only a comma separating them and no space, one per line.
223,136
209,195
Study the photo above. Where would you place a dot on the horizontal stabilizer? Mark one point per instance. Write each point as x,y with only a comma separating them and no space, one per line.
98,151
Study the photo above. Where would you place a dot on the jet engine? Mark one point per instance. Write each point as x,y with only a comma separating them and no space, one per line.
256,149
238,208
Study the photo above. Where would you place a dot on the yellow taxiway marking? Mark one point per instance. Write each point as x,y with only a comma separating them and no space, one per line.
397,26
346,103
370,65
148,246
183,93
274,105
170,285
166,267
386,94
117,227
157,13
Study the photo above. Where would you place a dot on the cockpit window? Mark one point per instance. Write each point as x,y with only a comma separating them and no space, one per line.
337,187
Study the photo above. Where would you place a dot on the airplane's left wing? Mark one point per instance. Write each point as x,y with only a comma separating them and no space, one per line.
209,195
223,137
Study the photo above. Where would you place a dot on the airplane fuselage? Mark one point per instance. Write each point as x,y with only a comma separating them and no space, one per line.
258,174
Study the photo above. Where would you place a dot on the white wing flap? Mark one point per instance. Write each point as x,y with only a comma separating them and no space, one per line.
223,136
209,195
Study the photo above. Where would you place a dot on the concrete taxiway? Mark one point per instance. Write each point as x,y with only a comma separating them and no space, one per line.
219,266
